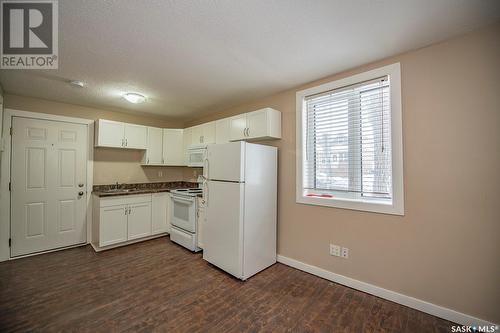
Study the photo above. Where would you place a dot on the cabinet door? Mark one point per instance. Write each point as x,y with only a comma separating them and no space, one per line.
159,202
238,124
110,133
136,136
112,225
139,220
196,135
155,149
257,124
222,127
173,147
187,139
208,135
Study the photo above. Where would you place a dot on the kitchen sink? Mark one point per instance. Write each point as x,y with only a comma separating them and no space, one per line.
119,190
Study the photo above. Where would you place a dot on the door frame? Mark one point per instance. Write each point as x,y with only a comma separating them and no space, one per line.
5,172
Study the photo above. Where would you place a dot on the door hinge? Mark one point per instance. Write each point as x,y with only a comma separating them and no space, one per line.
10,131
10,242
10,186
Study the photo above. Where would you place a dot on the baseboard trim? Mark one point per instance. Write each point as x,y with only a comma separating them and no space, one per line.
97,248
414,303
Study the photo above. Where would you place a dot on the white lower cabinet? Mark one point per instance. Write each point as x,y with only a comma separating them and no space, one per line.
139,220
159,211
114,230
120,220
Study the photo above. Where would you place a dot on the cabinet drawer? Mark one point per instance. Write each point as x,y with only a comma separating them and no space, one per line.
124,200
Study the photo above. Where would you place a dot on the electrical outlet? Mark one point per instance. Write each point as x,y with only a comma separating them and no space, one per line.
334,250
344,253
160,173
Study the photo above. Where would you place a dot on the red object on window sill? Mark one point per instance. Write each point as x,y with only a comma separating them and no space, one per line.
319,195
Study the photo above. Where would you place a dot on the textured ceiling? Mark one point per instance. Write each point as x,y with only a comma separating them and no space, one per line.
195,57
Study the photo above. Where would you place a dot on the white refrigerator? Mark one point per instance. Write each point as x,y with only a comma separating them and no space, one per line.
239,234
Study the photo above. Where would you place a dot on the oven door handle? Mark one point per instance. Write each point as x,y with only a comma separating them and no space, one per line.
182,200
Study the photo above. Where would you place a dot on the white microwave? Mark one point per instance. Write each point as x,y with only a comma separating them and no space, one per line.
197,155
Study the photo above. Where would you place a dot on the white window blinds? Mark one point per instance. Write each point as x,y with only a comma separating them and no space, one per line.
348,141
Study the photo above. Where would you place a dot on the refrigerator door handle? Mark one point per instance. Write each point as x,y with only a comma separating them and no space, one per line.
205,168
205,184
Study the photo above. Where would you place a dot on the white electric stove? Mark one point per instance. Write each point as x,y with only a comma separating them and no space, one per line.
184,217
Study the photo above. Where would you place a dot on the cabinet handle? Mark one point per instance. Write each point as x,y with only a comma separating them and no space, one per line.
162,160
129,210
126,210
126,142
248,131
245,131
123,142
202,138
147,162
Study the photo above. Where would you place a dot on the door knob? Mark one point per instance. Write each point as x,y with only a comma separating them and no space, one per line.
80,193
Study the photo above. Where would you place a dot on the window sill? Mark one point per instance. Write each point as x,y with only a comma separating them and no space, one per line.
374,206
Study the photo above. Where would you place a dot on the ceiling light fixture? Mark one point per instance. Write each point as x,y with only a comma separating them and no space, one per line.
76,83
135,98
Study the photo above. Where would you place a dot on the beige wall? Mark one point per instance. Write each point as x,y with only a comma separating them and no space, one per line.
446,248
110,165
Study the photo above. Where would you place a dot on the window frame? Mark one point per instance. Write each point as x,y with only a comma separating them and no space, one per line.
369,205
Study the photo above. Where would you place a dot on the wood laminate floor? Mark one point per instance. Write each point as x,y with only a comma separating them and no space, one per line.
159,286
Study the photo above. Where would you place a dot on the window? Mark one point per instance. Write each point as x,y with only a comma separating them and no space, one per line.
349,143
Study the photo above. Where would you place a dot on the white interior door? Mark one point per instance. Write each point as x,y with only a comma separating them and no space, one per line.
48,197
223,228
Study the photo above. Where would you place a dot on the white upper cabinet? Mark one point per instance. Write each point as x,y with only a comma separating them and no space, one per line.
173,143
222,129
257,124
170,146
165,147
209,132
120,135
154,152
203,134
136,136
262,124
238,126
196,135
109,133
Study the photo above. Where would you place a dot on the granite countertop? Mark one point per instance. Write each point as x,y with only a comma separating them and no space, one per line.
139,188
